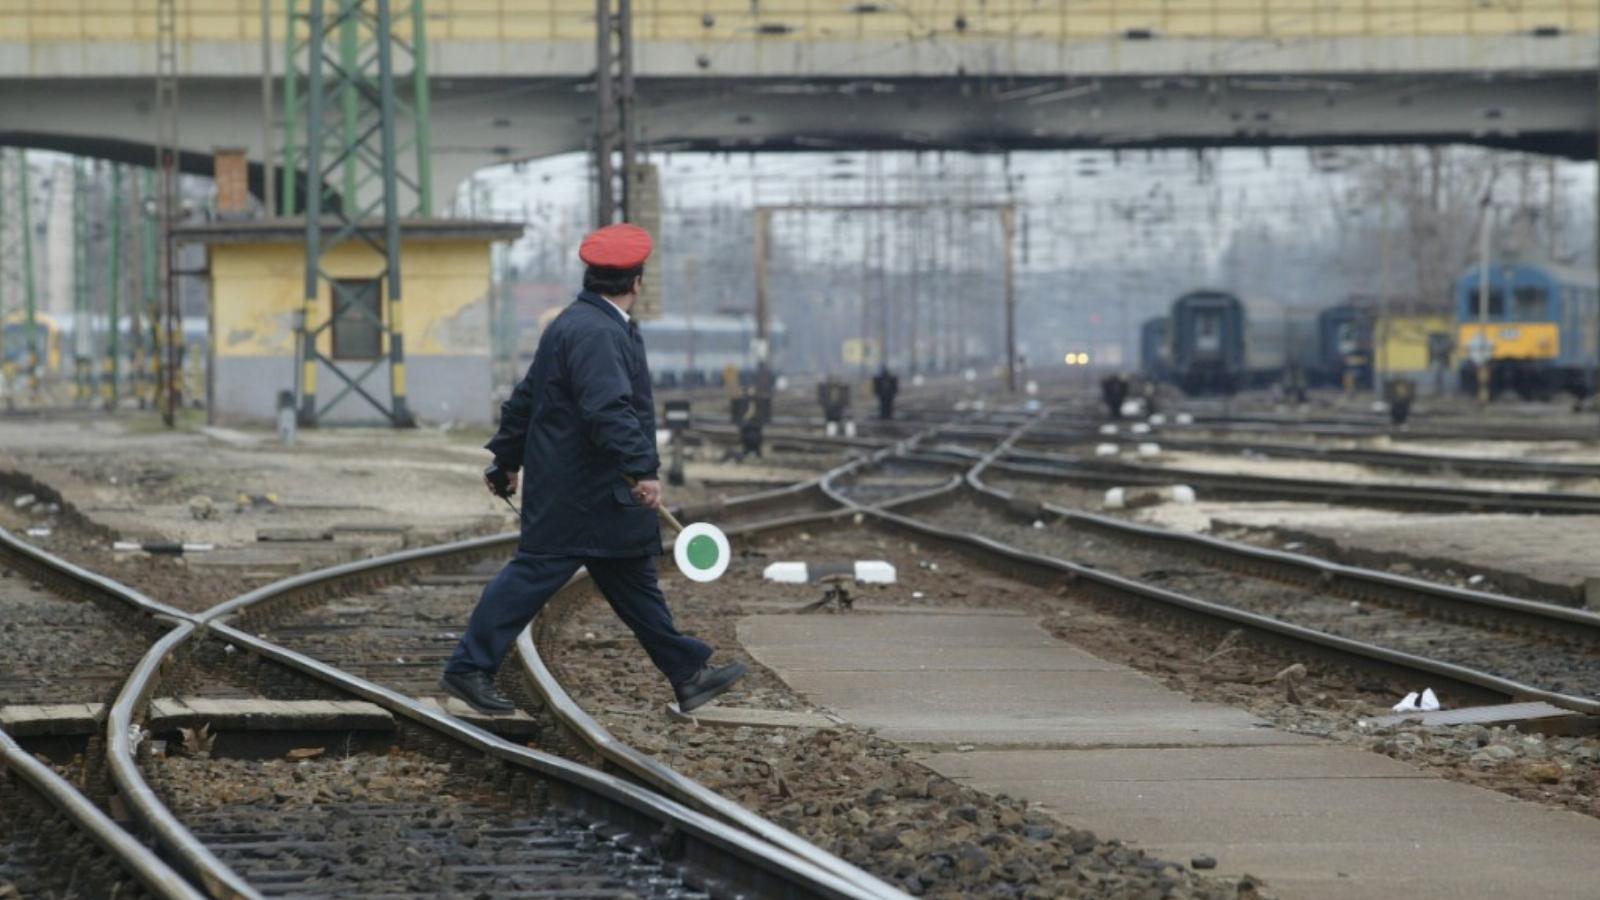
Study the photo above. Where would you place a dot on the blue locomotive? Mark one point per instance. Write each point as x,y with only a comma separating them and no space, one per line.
1535,332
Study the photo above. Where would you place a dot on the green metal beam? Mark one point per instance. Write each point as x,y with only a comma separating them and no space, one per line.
28,295
149,270
82,330
111,388
352,137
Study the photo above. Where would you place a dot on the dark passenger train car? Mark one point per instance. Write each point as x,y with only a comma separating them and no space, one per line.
1153,361
1207,352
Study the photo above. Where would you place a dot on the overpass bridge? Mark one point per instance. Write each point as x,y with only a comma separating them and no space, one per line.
511,77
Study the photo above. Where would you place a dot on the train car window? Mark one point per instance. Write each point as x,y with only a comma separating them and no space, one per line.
1532,303
1471,308
358,328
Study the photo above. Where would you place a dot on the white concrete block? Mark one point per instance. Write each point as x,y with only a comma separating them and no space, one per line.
874,571
786,572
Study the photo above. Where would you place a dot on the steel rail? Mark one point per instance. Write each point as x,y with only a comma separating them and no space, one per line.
64,576
138,860
1057,467
1481,466
733,859
769,867
620,756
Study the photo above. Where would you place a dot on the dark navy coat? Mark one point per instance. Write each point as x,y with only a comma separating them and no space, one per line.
580,423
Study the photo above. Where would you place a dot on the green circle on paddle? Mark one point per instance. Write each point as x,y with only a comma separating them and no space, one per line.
702,551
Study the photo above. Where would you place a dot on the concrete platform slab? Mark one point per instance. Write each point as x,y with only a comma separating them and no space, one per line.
1129,759
1004,676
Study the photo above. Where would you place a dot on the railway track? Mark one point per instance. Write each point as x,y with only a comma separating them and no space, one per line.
1486,647
70,637
1450,464
637,826
1492,647
391,796
1060,468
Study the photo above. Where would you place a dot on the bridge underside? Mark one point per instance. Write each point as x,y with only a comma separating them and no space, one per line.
482,121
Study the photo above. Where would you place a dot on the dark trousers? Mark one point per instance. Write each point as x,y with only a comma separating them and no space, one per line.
523,587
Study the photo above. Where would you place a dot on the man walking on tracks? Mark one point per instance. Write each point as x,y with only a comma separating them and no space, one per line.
581,429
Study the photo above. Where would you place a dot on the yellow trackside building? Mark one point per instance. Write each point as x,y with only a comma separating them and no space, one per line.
256,271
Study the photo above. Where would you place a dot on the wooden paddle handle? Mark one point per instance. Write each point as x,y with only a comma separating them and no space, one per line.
670,519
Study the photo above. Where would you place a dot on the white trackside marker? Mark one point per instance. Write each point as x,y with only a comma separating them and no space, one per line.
702,552
864,571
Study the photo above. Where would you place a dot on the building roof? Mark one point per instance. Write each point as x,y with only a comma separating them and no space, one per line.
293,230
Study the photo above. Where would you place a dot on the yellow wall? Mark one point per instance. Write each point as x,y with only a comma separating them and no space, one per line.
1403,341
257,289
238,20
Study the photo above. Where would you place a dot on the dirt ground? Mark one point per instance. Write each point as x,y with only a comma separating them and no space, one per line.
269,511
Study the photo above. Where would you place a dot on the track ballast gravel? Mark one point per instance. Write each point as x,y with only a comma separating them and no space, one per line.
1565,666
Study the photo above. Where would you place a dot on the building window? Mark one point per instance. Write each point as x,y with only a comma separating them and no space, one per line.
358,318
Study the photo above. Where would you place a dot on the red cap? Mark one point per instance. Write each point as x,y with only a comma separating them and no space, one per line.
616,247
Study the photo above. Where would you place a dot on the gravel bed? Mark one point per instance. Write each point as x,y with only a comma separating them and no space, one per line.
399,636
54,650
395,825
844,789
1211,517
1566,666
43,856
1256,465
75,538
889,480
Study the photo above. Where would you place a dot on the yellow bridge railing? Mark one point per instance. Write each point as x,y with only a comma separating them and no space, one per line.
721,21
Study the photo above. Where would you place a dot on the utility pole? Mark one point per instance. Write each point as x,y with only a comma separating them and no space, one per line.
167,151
147,362
1007,234
16,267
82,327
615,129
268,168
763,225
1381,357
1484,358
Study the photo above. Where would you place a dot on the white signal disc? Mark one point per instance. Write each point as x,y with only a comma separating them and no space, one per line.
702,552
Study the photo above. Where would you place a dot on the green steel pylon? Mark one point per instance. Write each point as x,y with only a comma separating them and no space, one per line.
109,385
355,47
365,156
147,360
82,328
22,352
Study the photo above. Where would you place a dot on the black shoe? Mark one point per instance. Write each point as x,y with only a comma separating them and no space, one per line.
706,684
477,690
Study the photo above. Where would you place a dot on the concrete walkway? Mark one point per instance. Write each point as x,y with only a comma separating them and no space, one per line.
994,701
